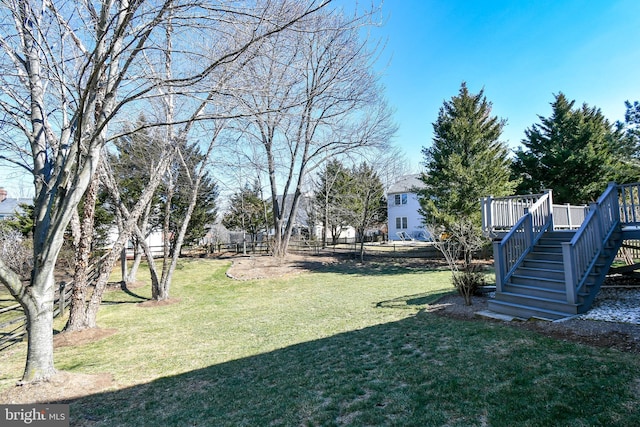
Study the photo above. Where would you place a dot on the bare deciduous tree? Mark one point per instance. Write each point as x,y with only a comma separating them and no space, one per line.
458,244
314,97
68,70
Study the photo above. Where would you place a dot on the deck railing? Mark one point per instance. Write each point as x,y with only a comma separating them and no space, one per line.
512,249
630,204
500,214
569,217
581,253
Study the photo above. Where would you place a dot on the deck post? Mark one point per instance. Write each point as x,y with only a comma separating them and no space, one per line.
487,218
569,280
550,212
62,300
498,263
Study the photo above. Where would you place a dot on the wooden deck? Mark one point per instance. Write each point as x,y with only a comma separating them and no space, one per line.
551,259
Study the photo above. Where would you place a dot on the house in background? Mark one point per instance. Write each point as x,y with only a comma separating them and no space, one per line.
403,210
10,206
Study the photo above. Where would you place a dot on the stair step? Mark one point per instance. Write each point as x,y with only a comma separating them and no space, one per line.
558,293
519,279
548,249
560,306
525,312
554,241
543,264
542,273
561,233
549,256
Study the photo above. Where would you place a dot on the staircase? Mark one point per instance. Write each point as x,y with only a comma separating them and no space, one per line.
550,272
537,287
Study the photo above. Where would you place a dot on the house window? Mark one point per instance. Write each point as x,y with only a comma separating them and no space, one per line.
400,199
401,223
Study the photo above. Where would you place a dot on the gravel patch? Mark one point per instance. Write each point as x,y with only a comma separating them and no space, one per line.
615,304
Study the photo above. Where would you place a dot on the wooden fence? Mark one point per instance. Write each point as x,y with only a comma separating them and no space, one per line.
13,321
630,251
309,247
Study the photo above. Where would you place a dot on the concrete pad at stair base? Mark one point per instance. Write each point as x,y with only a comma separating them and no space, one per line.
488,314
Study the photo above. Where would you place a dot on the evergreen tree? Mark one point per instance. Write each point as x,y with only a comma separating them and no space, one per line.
631,129
248,212
330,201
205,210
22,221
575,152
367,202
134,159
465,162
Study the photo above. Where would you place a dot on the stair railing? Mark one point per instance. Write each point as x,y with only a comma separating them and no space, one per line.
514,247
581,253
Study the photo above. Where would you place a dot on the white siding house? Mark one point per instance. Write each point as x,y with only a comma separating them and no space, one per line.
405,221
9,207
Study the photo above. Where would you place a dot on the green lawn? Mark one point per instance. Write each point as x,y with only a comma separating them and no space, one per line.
346,346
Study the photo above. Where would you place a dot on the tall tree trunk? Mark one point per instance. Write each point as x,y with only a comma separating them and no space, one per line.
128,227
159,292
138,249
38,307
155,283
168,275
77,314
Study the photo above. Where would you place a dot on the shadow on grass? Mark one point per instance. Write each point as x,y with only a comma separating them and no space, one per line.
372,267
410,301
421,371
128,291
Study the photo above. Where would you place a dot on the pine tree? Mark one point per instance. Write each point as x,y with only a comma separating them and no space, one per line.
330,200
248,212
575,152
205,211
367,204
466,161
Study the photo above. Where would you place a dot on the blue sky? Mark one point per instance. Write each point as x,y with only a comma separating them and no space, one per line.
520,52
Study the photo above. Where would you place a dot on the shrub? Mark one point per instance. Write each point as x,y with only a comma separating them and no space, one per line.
458,244
16,251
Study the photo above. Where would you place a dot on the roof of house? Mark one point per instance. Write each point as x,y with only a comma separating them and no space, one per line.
407,184
10,206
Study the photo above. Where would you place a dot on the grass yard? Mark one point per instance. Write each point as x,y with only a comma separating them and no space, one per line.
344,346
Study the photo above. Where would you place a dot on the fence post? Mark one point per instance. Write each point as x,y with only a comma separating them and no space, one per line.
61,300
123,264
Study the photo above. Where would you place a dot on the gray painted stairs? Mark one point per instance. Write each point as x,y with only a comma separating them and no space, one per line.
537,287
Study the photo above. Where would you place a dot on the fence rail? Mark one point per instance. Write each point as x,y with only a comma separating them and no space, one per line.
343,247
13,321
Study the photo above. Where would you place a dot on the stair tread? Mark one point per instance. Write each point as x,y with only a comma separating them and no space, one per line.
553,313
546,270
544,279
535,298
556,255
535,288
